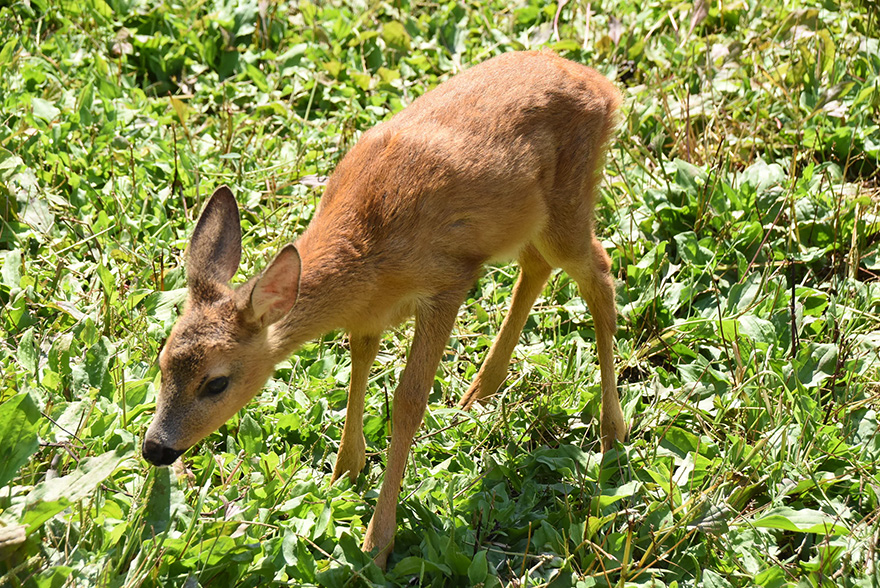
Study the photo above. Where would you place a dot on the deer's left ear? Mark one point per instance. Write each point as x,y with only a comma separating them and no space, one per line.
275,291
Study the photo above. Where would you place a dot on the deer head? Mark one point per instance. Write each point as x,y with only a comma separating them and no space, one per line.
218,355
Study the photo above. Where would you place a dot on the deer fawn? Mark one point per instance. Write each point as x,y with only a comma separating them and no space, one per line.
501,161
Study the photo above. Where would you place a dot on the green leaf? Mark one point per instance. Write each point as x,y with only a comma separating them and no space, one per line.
457,561
108,282
691,251
164,503
324,518
348,553
690,176
479,568
333,67
44,109
19,418
53,496
414,566
250,435
162,306
258,77
362,80
680,441
713,579
566,459
396,36
54,577
614,495
288,547
388,75
804,520
566,45
37,215
94,371
27,351
762,176
84,103
6,51
757,329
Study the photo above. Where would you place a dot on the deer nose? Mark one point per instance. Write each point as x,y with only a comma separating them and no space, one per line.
158,454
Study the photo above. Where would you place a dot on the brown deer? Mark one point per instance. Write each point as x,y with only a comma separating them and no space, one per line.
500,162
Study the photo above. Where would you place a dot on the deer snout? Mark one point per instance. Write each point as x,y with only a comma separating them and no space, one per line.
158,454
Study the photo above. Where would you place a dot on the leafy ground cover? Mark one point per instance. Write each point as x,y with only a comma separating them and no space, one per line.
740,210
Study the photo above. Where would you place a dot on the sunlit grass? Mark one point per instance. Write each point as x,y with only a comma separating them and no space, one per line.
740,209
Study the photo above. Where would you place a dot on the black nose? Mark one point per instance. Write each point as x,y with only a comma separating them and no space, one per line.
158,454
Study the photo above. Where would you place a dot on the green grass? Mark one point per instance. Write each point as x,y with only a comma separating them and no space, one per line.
740,211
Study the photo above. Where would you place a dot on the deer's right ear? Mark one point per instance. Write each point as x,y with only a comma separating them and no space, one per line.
277,288
215,246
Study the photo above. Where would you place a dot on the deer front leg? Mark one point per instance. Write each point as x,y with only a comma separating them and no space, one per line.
434,323
352,448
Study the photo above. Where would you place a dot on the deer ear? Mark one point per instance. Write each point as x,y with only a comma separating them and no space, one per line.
277,288
215,246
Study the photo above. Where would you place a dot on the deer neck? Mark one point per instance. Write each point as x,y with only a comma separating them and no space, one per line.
333,282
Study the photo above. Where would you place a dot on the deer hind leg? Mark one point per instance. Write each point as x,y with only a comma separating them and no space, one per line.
352,449
591,271
434,322
534,271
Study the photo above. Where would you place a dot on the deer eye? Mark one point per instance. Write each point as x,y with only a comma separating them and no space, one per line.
216,386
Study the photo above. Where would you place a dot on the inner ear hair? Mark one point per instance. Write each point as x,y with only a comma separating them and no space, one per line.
274,292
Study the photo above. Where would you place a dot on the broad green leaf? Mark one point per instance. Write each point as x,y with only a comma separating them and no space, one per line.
691,251
414,566
54,577
803,520
457,561
348,553
762,176
757,329
44,109
181,109
362,80
614,495
815,364
94,371
396,36
323,521
27,351
333,67
388,75
163,306
712,579
165,502
289,547
6,51
690,176
566,45
258,77
680,440
479,568
108,282
52,496
84,103
19,420
250,435
37,215
566,458
771,577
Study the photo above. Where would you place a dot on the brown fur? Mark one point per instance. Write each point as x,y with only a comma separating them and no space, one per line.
501,161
